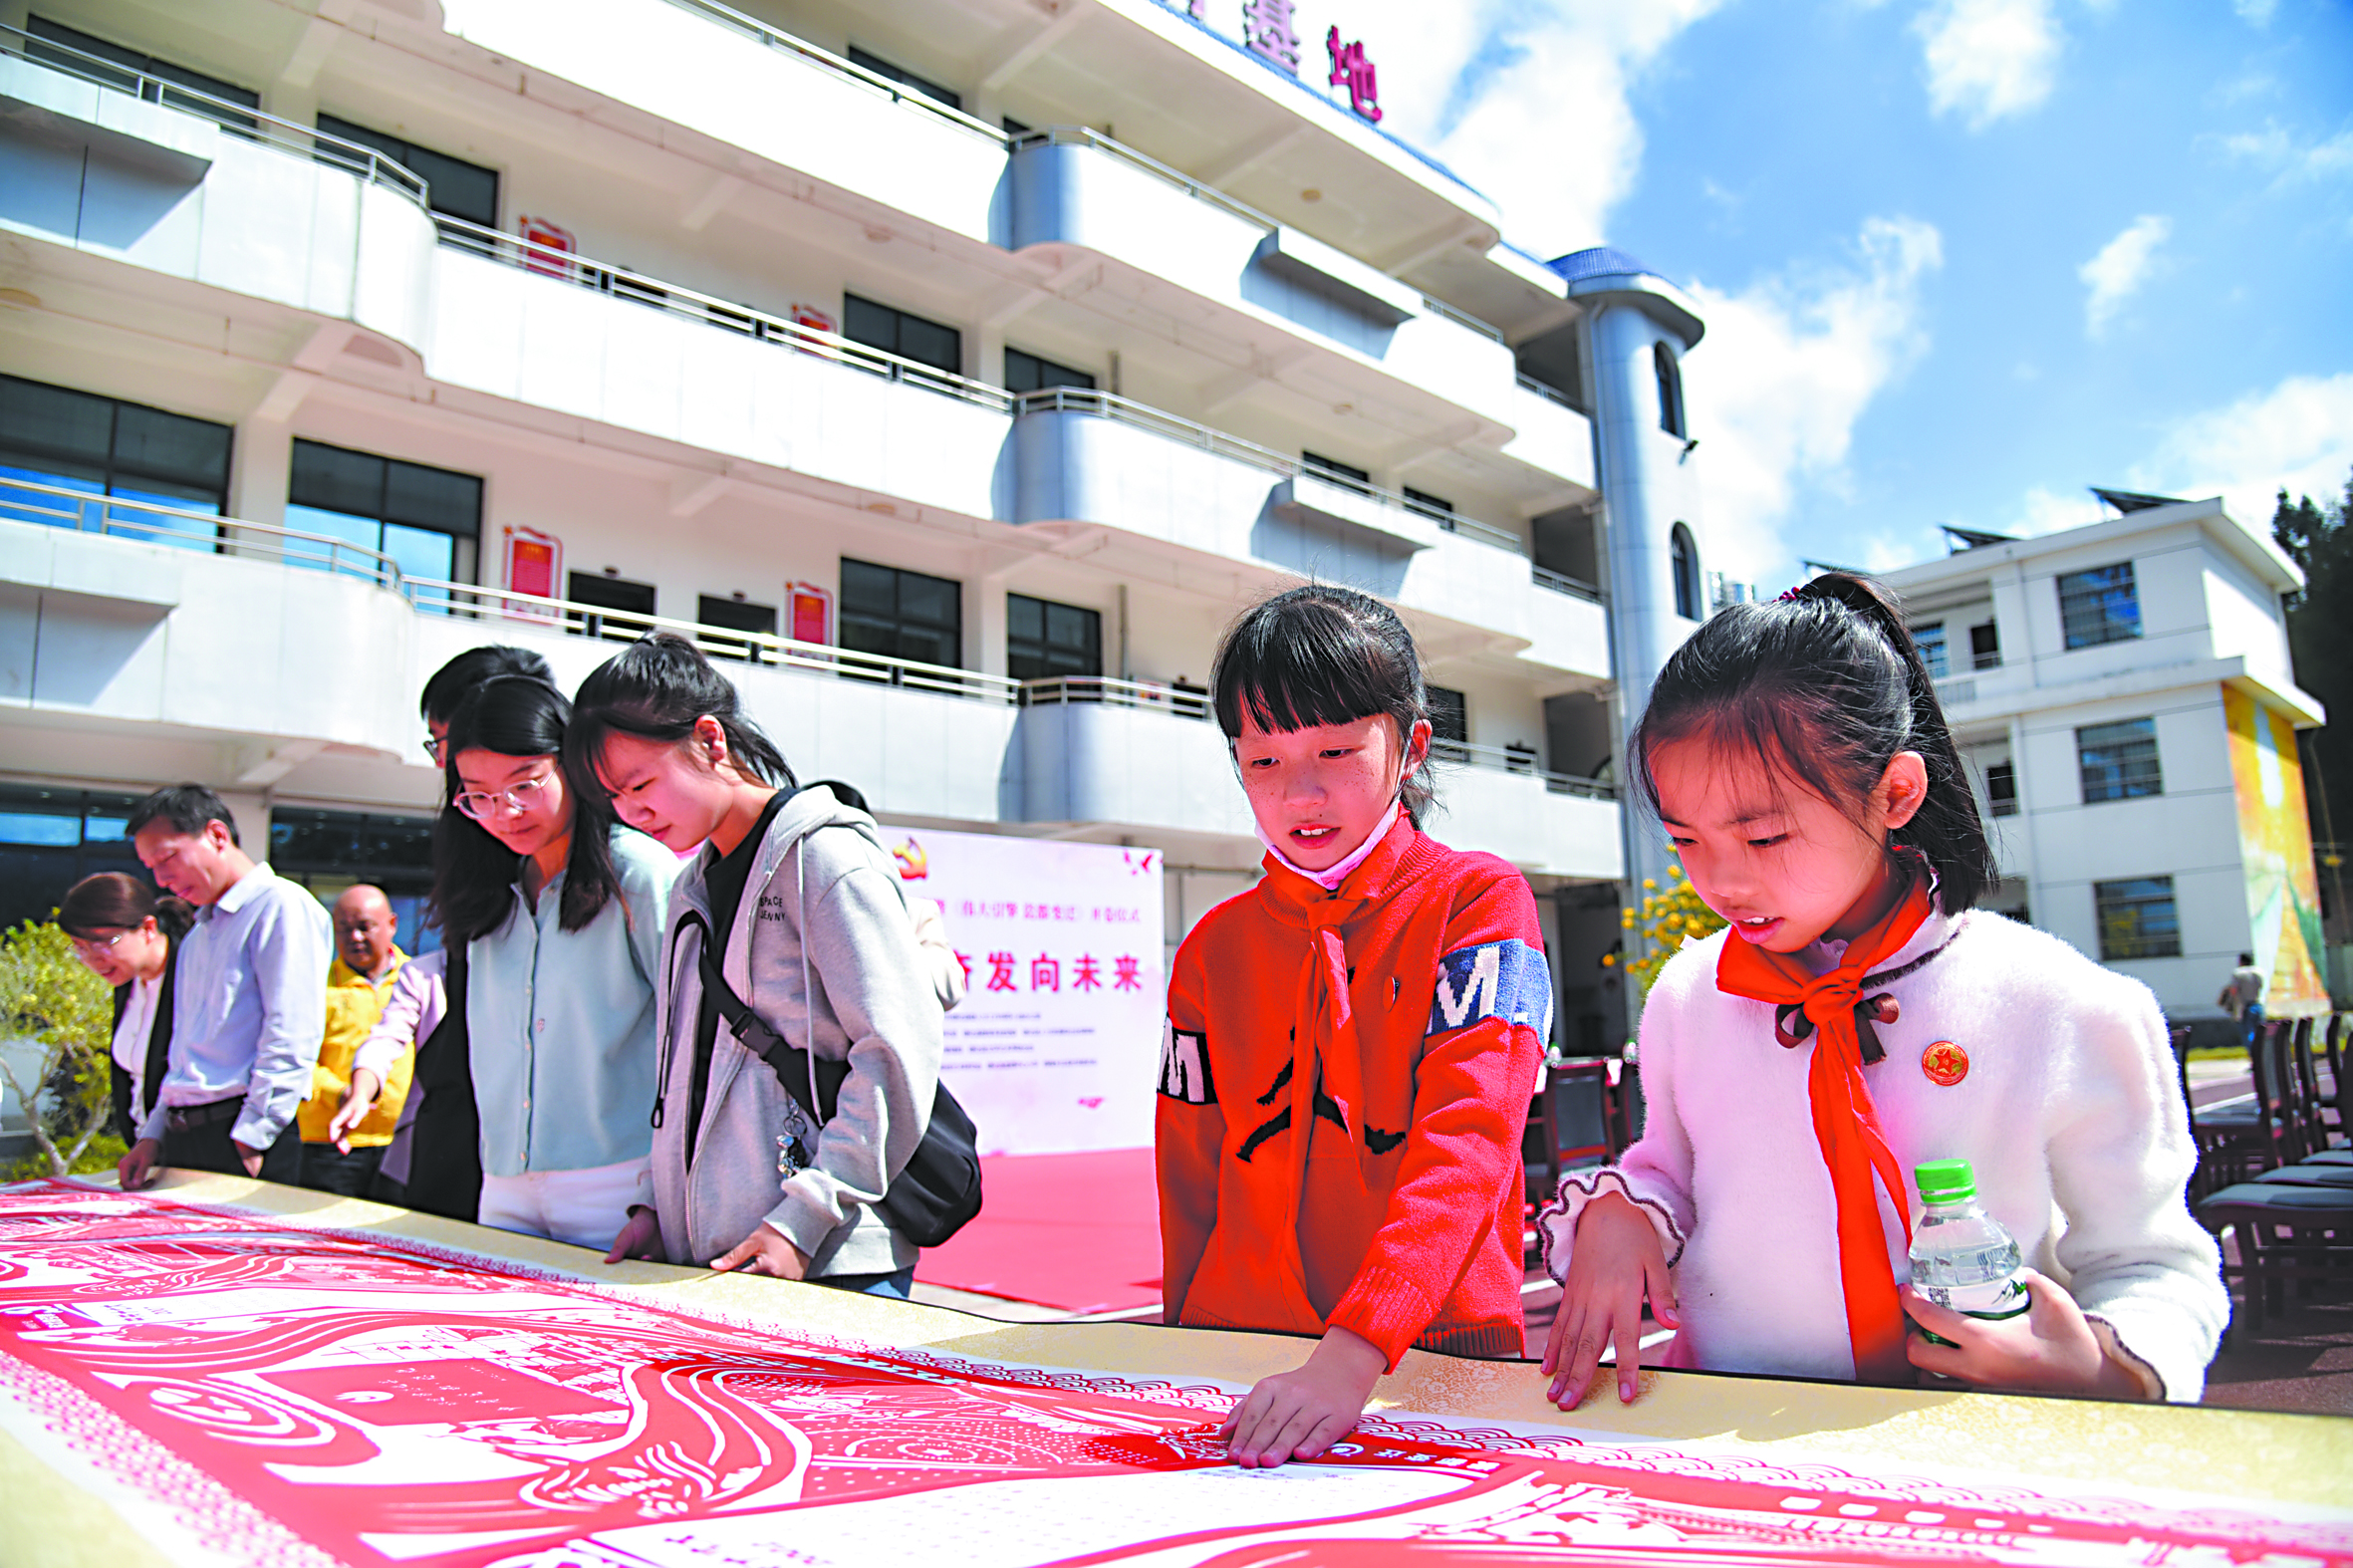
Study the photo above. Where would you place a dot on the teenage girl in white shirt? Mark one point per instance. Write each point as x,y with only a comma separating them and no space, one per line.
1860,1018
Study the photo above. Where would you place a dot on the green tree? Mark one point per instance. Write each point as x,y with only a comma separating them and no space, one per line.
2320,639
53,1004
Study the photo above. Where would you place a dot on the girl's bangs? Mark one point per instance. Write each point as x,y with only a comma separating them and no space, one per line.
1315,672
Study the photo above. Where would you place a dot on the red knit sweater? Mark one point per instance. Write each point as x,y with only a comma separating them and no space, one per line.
1418,1000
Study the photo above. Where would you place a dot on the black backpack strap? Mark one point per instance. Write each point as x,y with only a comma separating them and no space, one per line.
788,1061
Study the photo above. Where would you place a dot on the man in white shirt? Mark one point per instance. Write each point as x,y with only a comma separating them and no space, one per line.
2243,996
249,998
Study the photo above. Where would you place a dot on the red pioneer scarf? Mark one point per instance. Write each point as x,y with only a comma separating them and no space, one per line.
1846,1124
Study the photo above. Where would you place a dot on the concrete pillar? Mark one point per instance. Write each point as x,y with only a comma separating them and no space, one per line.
252,811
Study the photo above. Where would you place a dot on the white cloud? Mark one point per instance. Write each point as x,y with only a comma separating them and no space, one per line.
1988,59
2255,12
1528,101
2291,162
2118,271
2298,434
1786,370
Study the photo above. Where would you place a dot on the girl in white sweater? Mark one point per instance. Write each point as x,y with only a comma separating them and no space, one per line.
1860,1018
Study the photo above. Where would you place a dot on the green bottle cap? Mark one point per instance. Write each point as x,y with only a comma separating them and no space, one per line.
1944,1180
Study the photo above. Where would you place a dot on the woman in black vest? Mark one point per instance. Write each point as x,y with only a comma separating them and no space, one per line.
128,935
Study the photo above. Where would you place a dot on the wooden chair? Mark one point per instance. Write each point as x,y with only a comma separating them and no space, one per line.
2241,1140
2311,1113
2284,1233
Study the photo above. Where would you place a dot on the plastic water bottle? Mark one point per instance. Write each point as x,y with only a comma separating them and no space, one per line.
1961,1257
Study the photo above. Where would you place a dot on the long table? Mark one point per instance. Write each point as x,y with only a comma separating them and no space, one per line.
222,1370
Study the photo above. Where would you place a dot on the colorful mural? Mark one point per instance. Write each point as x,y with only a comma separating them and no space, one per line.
2275,846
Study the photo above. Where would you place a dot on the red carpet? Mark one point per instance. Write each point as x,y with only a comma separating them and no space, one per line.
1076,1232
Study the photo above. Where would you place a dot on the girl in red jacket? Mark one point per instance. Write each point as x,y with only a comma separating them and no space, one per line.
1351,1044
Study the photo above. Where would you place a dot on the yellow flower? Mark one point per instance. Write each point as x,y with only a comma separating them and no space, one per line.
1649,883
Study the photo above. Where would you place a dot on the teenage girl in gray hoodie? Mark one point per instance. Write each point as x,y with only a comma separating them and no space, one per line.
796,894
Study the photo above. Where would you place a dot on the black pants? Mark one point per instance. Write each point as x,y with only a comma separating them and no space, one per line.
345,1175
209,1148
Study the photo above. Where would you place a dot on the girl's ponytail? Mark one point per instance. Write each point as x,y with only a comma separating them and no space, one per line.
1827,685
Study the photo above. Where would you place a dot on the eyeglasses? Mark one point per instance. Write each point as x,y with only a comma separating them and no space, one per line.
97,948
478,804
432,746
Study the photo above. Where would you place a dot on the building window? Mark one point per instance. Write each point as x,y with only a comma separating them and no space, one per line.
608,591
1346,475
902,615
1684,558
452,187
1929,640
2119,761
1028,372
329,851
1669,390
100,447
898,332
2137,918
735,614
50,839
1450,724
1984,646
427,519
1045,640
2002,789
905,78
161,75
2099,606
1436,508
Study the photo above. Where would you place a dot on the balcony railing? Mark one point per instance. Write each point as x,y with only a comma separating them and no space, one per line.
742,320
1193,704
898,93
1085,137
184,528
1545,390
247,124
751,648
1560,582
1109,406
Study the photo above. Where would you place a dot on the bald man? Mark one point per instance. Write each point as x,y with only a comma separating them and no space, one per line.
358,983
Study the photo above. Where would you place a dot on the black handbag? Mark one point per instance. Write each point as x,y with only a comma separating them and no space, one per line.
939,1193
445,1139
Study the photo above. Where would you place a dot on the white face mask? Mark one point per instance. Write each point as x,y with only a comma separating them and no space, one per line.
1333,875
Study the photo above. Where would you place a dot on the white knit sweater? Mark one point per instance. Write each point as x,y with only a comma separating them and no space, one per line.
2071,1112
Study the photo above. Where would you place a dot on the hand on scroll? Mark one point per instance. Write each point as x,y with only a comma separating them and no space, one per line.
641,1236
1613,1258
765,1252
1298,1415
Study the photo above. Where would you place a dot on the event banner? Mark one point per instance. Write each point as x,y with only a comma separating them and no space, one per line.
1054,1046
242,1390
2276,844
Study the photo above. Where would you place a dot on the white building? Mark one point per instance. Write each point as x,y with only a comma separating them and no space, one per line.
2124,695
965,366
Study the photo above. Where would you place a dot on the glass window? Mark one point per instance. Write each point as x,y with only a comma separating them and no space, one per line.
735,614
1449,724
902,615
1436,508
452,186
1045,640
2119,761
905,78
1346,475
1929,640
2002,789
50,839
101,447
1028,372
329,851
2137,918
2099,606
607,593
159,75
1984,646
1670,376
425,519
898,332
1683,559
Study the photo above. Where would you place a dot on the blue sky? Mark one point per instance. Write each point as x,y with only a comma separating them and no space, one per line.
1959,258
